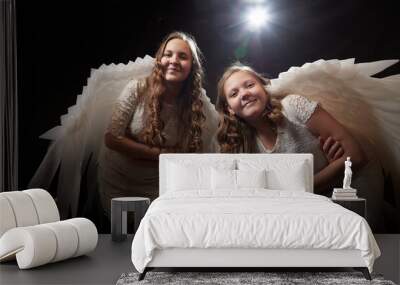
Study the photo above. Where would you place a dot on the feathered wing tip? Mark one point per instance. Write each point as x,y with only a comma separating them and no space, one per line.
368,107
77,141
100,78
372,68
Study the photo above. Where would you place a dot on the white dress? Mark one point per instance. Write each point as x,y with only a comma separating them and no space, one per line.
120,175
294,137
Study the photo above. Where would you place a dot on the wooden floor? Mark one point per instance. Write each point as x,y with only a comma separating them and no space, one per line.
111,259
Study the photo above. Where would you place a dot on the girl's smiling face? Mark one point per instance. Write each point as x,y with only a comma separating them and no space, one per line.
245,96
176,61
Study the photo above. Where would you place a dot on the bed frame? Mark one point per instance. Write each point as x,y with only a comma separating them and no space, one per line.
249,257
256,258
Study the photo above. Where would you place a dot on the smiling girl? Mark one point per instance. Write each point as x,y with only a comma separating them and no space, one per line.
254,121
166,112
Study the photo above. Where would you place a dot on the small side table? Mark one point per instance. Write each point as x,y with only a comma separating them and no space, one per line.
119,208
358,205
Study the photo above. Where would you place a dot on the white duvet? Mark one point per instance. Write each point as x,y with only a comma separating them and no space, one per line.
250,219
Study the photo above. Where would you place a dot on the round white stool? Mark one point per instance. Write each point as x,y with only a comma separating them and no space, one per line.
119,208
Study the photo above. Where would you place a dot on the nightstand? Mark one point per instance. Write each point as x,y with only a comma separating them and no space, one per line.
358,206
119,208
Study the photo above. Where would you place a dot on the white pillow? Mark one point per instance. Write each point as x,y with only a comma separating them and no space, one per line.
281,175
186,174
292,179
223,179
183,178
251,178
236,179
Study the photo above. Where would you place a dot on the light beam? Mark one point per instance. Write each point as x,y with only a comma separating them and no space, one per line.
256,18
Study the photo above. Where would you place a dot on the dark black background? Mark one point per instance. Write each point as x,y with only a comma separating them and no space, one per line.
60,41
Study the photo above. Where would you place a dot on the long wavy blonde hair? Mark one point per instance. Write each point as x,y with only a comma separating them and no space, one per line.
189,105
234,134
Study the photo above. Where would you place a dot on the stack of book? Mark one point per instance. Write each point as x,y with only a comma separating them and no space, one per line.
343,194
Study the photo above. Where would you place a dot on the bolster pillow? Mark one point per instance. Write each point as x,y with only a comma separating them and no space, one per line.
40,244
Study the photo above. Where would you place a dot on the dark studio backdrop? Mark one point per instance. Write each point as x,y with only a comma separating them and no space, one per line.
60,41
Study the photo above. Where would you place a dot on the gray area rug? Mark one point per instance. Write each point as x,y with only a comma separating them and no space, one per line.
232,278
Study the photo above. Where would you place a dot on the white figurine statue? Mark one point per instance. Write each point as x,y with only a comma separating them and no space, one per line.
347,174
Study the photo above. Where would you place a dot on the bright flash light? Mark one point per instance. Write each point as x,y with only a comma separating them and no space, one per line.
256,18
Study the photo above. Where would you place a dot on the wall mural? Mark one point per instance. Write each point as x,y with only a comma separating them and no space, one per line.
164,98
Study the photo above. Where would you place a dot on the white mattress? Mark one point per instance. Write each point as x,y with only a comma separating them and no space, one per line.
253,218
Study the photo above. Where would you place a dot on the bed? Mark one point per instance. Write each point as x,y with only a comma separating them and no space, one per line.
247,210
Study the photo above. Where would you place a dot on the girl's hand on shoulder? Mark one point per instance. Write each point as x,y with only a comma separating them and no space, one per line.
332,149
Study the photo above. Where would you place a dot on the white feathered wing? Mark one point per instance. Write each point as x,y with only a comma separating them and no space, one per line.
369,107
76,142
